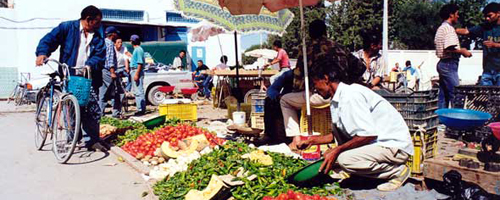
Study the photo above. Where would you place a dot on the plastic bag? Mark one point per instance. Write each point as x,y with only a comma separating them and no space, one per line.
461,190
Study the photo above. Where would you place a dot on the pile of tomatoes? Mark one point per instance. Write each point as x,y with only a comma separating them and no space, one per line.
290,195
147,144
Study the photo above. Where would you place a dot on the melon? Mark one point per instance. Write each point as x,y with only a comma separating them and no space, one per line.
168,152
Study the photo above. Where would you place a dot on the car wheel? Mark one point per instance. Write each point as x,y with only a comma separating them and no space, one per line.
155,96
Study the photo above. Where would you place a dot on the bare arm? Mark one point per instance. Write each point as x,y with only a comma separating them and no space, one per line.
376,81
332,154
462,31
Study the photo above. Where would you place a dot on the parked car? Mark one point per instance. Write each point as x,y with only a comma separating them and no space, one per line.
155,80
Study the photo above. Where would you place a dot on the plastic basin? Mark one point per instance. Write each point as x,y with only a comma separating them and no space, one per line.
495,128
166,89
462,119
188,91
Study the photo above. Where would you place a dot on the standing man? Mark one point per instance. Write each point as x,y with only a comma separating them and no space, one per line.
178,64
281,58
111,88
490,33
373,138
137,73
372,58
123,57
81,45
350,66
449,51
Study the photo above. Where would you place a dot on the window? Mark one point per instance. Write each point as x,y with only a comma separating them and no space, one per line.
123,15
176,17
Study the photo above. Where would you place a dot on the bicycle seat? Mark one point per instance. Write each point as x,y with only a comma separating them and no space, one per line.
51,74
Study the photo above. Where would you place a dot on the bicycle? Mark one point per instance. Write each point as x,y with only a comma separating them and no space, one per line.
58,114
19,94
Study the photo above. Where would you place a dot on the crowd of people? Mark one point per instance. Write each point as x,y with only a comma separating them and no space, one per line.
372,136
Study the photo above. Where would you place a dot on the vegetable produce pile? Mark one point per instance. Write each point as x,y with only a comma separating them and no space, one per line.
290,195
146,144
121,124
227,159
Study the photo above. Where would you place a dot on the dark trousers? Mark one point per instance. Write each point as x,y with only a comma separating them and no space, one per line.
273,122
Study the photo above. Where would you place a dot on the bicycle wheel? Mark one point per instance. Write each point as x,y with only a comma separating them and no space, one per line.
43,108
13,94
19,96
66,128
125,103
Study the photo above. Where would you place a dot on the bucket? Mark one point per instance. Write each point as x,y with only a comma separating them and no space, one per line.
239,117
312,153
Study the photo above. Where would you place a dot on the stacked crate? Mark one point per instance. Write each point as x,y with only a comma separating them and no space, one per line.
257,116
418,109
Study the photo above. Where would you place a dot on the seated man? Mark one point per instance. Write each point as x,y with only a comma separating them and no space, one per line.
373,138
201,79
274,132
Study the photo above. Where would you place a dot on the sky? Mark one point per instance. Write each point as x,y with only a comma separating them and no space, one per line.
251,39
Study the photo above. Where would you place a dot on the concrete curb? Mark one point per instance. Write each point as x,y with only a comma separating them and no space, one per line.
137,166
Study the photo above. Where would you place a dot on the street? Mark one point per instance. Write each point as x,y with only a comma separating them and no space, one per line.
26,173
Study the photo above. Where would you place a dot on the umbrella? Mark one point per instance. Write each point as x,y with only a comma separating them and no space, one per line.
238,7
210,10
204,31
262,53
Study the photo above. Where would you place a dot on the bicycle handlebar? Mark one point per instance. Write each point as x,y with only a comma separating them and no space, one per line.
65,66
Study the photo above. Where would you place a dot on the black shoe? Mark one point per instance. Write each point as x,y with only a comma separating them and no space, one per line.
98,147
141,113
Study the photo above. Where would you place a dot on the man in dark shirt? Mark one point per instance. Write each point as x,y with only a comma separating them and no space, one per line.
201,79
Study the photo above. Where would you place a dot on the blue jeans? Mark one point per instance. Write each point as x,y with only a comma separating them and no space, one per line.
448,79
90,116
138,88
110,89
206,86
490,78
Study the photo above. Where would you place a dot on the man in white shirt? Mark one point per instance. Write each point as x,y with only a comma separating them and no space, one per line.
373,138
178,61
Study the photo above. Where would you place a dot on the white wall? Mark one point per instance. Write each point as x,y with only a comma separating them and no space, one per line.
469,68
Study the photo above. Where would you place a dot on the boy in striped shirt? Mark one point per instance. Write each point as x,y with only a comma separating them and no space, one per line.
449,51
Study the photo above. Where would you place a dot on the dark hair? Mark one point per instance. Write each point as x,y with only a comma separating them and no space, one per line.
277,43
182,51
447,10
491,7
317,28
223,59
408,62
91,12
200,61
371,38
136,42
327,64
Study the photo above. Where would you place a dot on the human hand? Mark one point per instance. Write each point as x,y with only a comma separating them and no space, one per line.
466,53
489,44
304,144
40,59
330,157
136,77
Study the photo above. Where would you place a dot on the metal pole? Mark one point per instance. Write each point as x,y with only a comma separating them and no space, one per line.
237,67
385,32
306,71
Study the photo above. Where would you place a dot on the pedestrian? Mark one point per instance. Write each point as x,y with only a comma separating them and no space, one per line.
395,68
81,45
448,51
373,138
123,57
292,102
372,58
281,58
111,87
490,33
178,61
137,73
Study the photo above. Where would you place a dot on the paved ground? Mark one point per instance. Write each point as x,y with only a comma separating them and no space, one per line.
29,174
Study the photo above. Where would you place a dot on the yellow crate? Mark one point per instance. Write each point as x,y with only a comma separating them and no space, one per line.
420,154
257,120
321,119
181,111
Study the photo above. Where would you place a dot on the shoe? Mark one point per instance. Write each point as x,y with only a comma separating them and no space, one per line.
340,175
97,147
140,113
396,182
